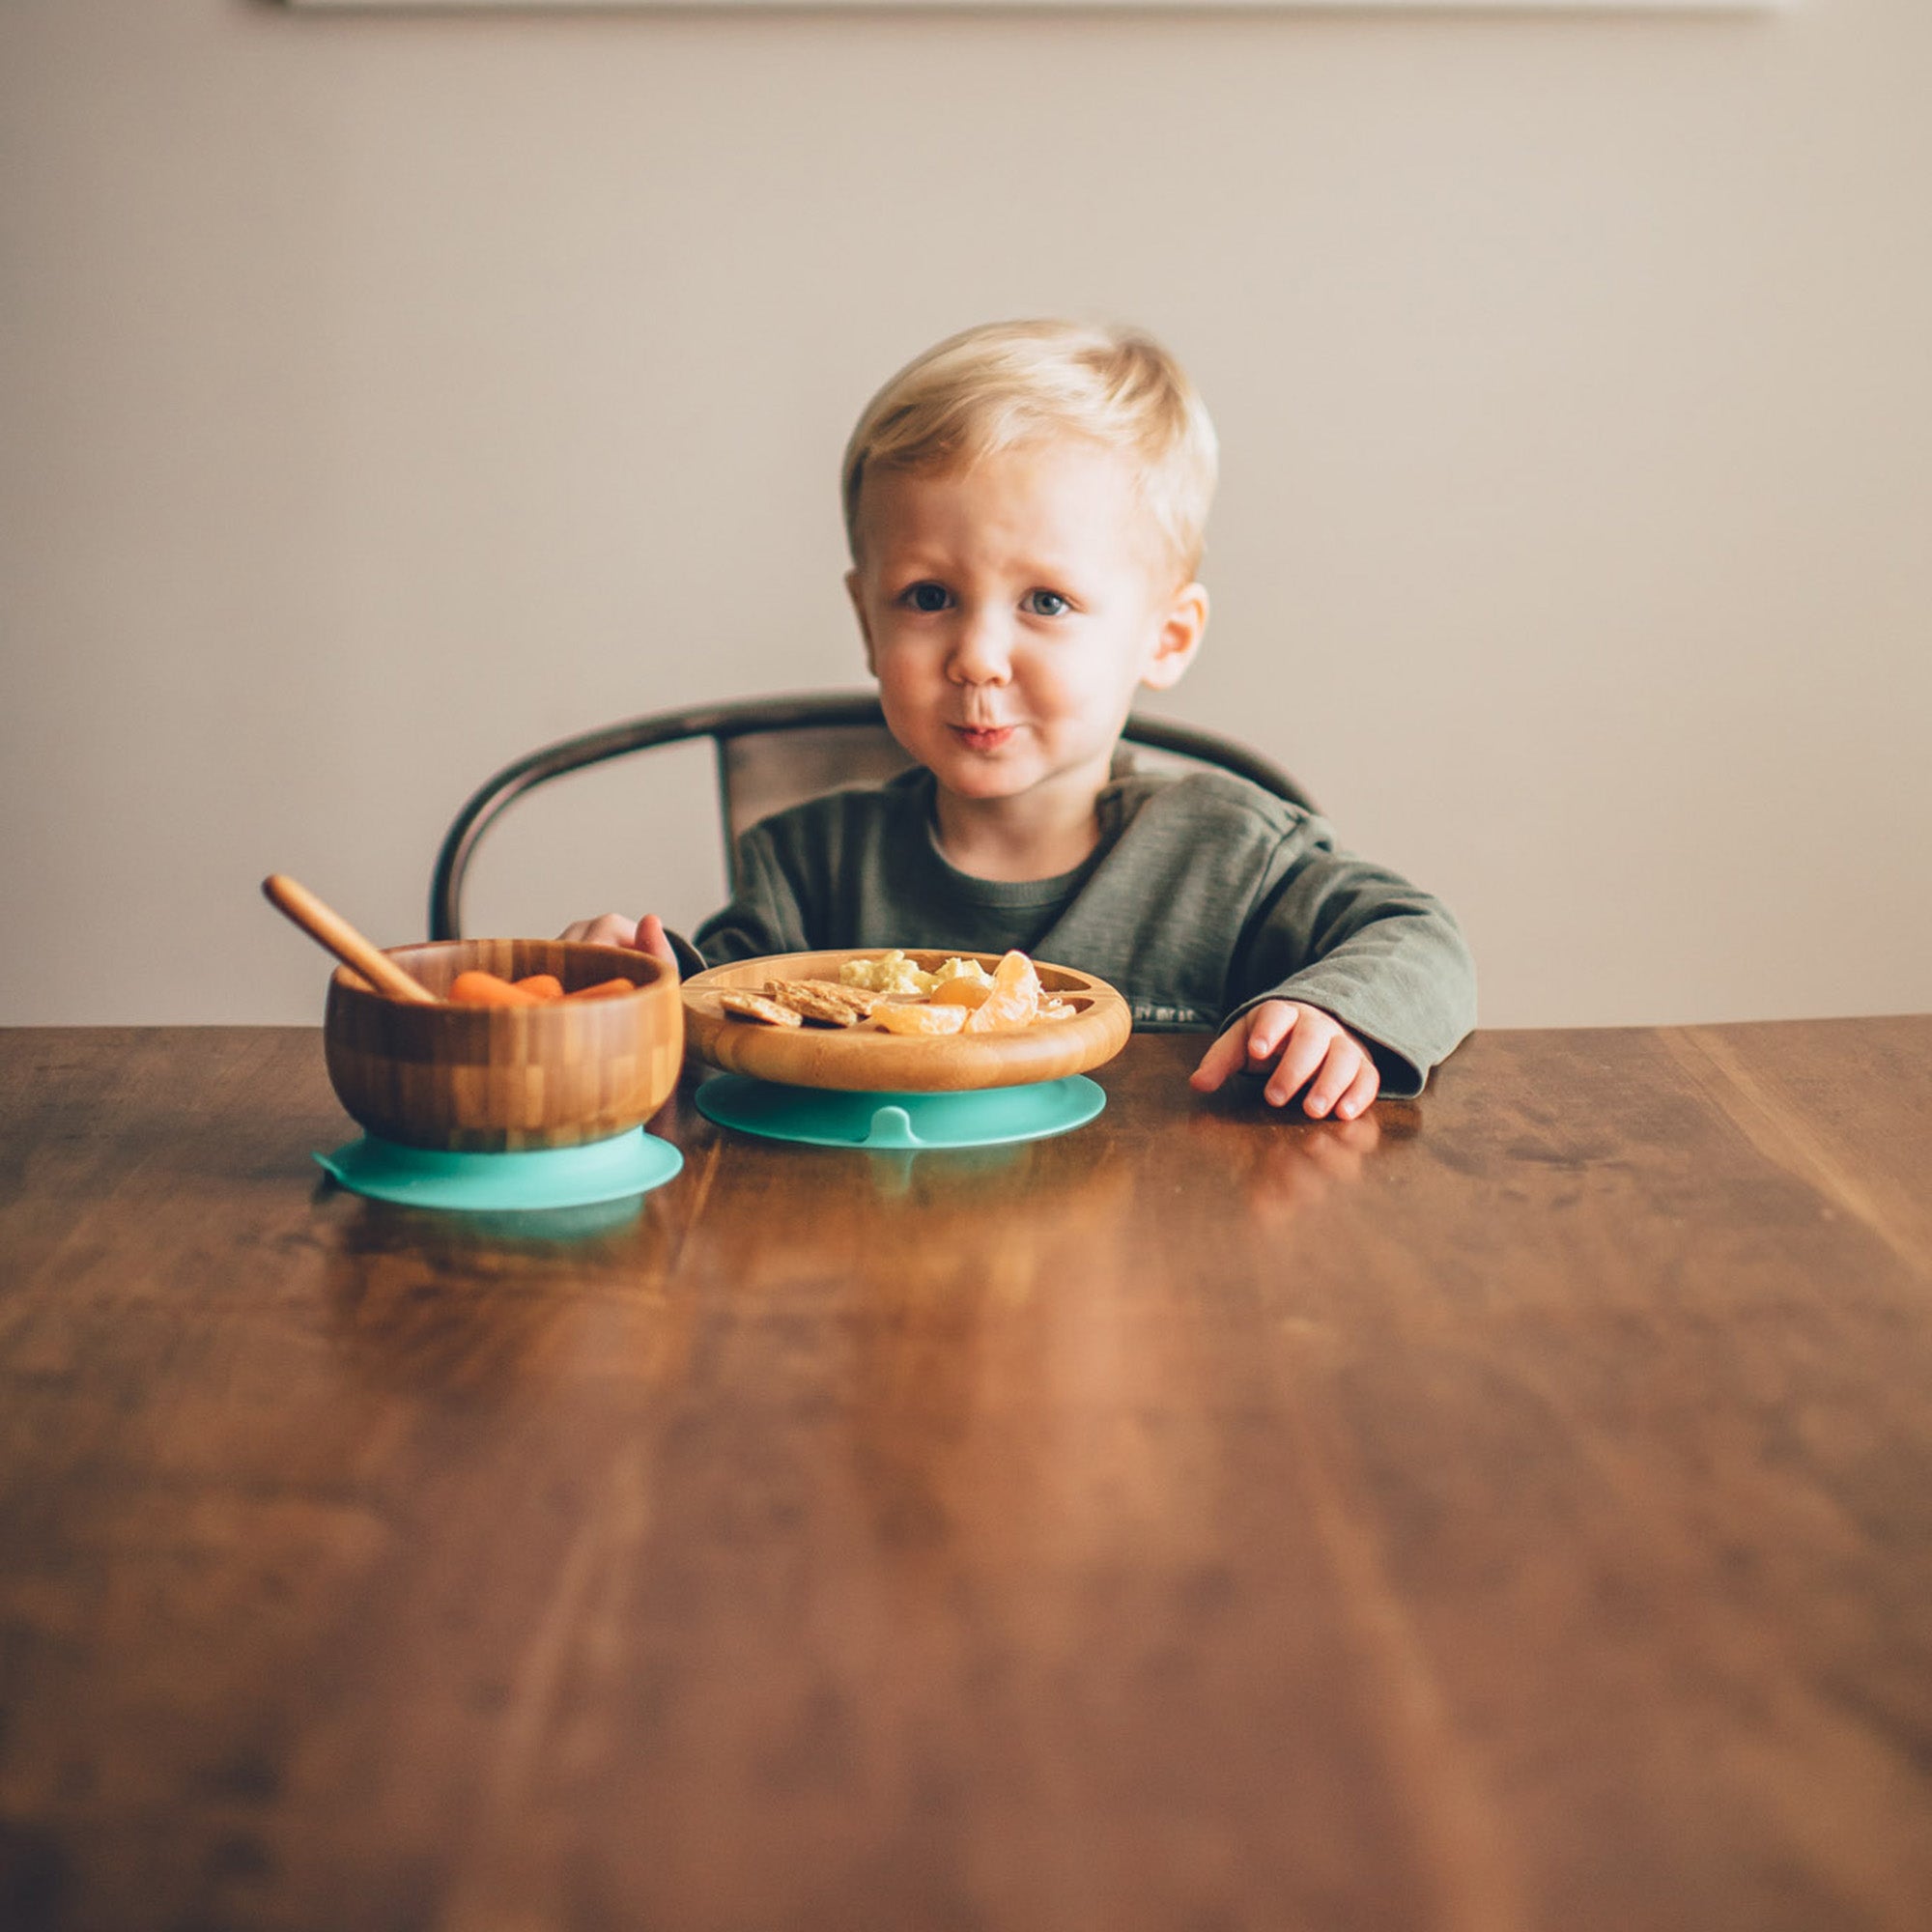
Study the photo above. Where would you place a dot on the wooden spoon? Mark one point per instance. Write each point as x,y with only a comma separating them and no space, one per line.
332,930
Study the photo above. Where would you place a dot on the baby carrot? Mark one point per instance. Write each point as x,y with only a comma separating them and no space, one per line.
604,989
544,985
486,989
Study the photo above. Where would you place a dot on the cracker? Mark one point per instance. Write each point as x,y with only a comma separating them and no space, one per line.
822,1002
757,1008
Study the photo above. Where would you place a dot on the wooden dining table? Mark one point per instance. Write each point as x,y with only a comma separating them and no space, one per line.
1510,1509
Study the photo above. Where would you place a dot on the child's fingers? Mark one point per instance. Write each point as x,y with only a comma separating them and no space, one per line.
1337,1072
1304,1054
1252,1038
1268,1025
1362,1091
1229,1052
650,938
610,930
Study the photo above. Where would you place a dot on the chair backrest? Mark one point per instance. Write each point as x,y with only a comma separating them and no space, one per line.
763,772
775,752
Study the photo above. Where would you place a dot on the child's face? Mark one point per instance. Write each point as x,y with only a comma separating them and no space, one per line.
1011,611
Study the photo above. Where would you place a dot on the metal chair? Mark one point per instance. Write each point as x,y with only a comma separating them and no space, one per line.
774,753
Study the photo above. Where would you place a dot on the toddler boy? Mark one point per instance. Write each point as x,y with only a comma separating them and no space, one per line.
1026,504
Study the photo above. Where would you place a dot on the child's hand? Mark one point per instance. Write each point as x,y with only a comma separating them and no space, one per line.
1316,1051
640,935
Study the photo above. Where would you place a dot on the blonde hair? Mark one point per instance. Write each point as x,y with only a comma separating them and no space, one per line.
1007,384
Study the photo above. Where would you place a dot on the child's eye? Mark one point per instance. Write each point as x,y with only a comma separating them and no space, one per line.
1046,604
927,597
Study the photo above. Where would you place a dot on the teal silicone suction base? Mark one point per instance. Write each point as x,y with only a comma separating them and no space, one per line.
825,1117
532,1180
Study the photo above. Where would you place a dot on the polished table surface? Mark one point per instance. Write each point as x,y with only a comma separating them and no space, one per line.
1511,1510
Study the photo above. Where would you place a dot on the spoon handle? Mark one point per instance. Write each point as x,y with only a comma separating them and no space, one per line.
332,930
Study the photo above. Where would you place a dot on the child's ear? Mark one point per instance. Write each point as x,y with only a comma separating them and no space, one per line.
1180,636
855,589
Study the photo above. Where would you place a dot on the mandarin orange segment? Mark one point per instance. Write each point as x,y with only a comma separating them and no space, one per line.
921,1019
960,993
1014,1000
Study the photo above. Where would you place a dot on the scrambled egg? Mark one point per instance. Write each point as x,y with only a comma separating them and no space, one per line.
893,972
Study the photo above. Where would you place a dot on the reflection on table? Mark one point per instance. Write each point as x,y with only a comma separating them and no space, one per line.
1511,1510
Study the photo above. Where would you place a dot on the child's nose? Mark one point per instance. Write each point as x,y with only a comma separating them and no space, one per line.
981,650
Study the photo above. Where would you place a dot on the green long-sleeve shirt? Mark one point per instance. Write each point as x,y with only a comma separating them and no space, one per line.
1205,896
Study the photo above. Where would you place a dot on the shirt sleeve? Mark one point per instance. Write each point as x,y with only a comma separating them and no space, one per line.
1359,942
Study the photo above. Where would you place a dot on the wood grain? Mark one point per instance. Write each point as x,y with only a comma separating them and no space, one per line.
1509,1511
864,1059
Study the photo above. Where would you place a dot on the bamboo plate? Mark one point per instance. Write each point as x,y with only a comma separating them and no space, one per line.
864,1059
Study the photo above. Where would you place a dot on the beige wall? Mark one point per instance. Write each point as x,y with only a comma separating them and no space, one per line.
380,396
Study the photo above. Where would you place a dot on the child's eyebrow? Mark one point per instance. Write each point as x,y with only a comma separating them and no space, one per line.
938,562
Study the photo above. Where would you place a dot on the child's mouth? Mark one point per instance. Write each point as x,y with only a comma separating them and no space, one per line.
983,738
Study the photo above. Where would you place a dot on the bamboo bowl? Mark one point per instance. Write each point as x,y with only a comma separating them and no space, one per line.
497,1079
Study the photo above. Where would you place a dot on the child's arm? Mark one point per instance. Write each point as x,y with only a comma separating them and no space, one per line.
1316,1050
1350,981
1335,962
